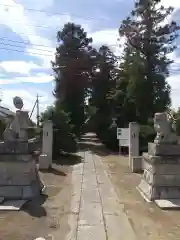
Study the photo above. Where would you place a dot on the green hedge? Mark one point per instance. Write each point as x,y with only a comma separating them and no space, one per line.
147,134
63,137
109,138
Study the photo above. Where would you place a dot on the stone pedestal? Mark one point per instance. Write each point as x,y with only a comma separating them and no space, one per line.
19,178
161,177
136,164
44,162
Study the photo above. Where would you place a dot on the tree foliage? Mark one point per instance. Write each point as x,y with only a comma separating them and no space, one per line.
63,138
72,67
131,88
148,41
103,86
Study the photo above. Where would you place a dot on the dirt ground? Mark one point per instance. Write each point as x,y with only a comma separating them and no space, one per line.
47,215
43,215
148,221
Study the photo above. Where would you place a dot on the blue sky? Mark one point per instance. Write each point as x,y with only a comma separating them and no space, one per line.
28,39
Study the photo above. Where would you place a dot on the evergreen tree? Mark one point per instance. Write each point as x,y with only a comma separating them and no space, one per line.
149,40
103,85
72,67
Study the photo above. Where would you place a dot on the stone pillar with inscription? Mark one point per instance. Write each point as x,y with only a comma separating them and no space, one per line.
135,161
133,140
161,177
45,159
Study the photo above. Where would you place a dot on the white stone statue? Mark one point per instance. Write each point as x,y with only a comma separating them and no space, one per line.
162,126
16,129
18,102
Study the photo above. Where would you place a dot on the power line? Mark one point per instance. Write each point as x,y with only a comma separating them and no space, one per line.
31,34
22,42
54,13
16,50
37,26
41,45
29,52
36,49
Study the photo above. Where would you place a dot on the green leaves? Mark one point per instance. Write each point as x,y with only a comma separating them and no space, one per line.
72,68
145,64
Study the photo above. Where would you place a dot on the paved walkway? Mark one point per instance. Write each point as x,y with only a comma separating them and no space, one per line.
98,210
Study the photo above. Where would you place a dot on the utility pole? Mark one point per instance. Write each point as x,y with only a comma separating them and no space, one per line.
37,102
1,95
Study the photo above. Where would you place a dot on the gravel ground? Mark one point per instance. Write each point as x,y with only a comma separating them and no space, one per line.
148,221
44,215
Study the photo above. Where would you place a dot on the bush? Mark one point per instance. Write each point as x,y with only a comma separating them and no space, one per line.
147,134
2,128
63,138
109,138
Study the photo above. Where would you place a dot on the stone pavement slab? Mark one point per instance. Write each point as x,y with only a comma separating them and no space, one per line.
100,216
90,213
90,194
91,232
118,227
12,205
168,203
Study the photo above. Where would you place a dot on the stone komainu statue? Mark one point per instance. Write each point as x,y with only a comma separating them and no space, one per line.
162,126
16,131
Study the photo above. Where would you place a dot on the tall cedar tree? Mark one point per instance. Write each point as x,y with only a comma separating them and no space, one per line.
149,40
103,83
72,66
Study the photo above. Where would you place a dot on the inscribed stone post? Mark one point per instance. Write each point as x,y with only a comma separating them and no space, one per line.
47,142
133,141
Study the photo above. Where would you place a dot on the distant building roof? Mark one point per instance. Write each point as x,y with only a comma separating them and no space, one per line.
5,112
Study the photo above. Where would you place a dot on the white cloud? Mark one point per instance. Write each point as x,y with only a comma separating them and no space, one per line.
17,66
21,23
173,80
28,23
40,4
18,21
173,3
108,37
175,90
42,78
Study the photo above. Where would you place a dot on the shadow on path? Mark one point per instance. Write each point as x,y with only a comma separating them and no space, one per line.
53,171
68,159
90,142
35,208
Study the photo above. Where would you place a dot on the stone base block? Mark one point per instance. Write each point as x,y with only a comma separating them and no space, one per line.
159,192
136,164
44,162
168,204
31,191
163,149
162,169
20,192
161,179
19,180
159,160
17,173
12,205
